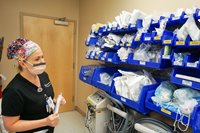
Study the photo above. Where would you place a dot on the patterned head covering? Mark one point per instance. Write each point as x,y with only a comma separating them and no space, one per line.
21,48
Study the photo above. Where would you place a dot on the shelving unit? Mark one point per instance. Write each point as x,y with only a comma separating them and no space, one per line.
190,65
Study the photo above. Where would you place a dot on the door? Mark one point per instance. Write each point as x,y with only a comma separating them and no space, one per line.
57,43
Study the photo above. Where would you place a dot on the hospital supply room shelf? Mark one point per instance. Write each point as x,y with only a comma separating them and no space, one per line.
184,73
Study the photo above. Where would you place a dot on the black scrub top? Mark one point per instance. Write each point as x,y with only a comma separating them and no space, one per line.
21,98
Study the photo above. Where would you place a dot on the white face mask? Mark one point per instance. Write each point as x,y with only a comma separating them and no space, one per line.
37,68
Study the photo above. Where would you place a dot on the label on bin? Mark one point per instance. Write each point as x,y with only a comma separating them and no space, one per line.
180,42
185,82
109,59
137,38
166,56
102,58
128,44
189,64
194,42
114,28
186,16
155,21
147,38
123,99
132,25
157,38
84,78
142,63
175,18
167,41
96,57
104,30
100,34
121,44
166,111
177,63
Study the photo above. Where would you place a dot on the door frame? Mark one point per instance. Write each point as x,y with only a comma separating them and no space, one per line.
75,48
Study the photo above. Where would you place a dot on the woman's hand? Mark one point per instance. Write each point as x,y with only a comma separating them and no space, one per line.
63,101
52,120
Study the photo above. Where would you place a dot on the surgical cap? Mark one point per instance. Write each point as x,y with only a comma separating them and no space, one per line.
21,48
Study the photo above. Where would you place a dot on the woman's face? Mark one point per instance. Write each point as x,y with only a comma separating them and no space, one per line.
36,57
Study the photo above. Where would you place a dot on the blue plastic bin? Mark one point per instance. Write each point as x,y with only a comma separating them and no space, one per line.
192,44
82,77
195,116
98,56
140,104
190,61
192,73
178,43
92,41
147,38
168,38
161,65
173,20
197,14
155,38
96,78
167,56
178,64
87,56
156,23
136,40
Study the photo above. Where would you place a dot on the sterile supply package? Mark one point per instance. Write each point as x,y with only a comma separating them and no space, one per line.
105,78
130,84
123,53
148,53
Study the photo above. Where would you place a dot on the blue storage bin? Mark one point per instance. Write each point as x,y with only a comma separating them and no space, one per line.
179,64
103,57
87,56
86,79
192,44
116,59
140,104
197,14
167,38
98,56
147,37
167,56
173,20
192,73
109,57
100,31
139,23
190,61
92,56
137,40
96,78
155,38
178,43
156,23
92,41
195,116
161,65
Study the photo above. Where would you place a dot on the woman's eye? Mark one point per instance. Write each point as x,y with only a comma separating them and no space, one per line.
37,59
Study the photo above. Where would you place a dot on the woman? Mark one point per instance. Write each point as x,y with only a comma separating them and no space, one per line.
27,104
